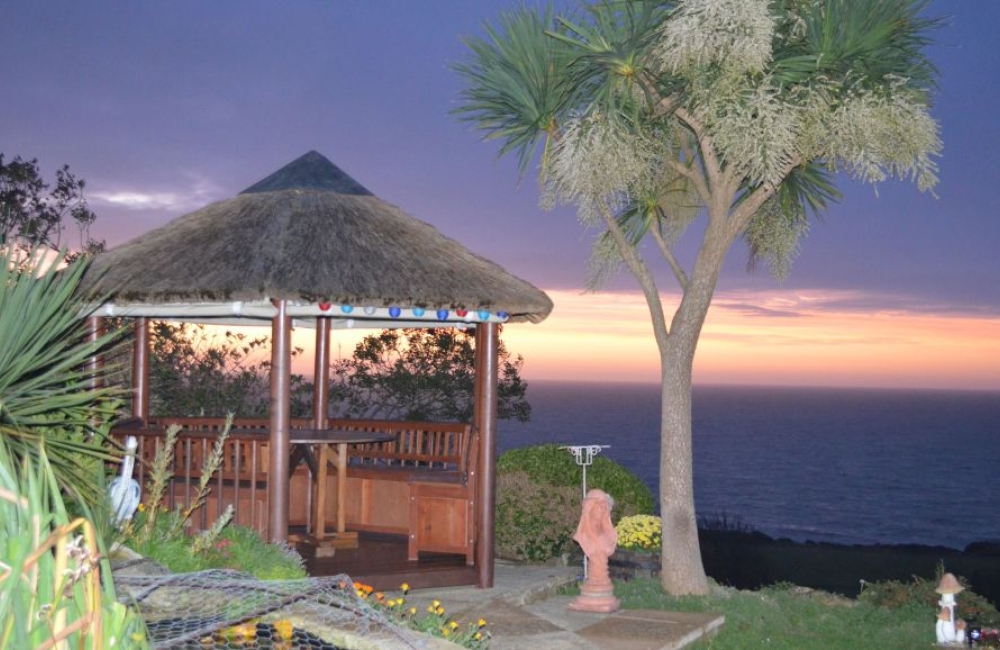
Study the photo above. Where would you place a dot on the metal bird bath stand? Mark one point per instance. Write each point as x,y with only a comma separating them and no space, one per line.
584,457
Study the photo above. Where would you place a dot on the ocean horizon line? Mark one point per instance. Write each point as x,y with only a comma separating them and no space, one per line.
742,386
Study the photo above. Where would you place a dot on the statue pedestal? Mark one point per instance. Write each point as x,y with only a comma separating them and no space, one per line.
595,597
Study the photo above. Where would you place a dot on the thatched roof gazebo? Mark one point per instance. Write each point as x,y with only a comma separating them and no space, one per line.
310,235
310,244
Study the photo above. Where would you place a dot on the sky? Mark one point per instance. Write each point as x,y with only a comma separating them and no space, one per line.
165,107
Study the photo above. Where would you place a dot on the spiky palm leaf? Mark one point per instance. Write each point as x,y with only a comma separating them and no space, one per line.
611,65
47,390
516,84
864,42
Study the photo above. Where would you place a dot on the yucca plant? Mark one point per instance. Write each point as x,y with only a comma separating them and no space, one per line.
55,591
48,390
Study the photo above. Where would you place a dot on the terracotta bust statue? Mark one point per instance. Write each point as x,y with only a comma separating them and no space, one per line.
597,537
596,534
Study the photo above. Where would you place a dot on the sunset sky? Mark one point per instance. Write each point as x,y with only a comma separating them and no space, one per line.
164,107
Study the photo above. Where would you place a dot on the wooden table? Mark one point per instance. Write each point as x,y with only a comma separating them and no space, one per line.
303,442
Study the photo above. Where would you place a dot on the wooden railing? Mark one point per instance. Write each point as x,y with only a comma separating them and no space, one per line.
386,481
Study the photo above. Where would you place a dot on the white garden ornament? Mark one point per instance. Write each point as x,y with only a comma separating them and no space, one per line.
950,631
124,490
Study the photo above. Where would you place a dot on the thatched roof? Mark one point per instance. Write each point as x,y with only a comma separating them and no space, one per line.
310,234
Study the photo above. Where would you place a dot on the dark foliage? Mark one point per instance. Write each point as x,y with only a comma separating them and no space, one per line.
33,214
193,373
420,374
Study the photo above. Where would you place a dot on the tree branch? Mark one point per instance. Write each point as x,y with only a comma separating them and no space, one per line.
668,254
642,273
741,215
711,166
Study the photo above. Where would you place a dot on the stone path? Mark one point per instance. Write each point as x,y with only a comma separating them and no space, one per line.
525,612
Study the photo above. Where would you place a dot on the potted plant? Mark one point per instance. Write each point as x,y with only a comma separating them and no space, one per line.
640,538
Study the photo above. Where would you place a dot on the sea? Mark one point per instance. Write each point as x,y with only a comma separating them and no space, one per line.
845,466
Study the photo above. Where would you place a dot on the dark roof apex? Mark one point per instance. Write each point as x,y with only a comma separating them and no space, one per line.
311,171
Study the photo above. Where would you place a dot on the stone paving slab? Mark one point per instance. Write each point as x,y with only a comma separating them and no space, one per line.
640,629
510,620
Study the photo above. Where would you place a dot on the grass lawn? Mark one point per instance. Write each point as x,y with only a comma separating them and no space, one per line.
788,617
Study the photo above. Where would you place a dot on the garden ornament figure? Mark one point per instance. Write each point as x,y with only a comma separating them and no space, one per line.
597,537
584,457
949,631
124,490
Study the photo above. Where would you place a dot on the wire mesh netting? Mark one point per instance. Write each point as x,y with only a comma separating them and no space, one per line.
223,609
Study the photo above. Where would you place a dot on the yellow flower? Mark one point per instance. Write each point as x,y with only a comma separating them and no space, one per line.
453,625
482,622
142,507
413,610
405,587
445,631
242,631
284,629
478,636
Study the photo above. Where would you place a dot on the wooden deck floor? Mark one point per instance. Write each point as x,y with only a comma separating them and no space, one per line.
380,561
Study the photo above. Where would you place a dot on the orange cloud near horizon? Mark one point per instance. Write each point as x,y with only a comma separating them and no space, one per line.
774,338
765,339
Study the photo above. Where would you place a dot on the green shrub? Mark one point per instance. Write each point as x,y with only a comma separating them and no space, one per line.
896,594
554,466
231,547
160,534
534,521
538,500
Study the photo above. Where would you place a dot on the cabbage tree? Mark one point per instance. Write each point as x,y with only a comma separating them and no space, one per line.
737,115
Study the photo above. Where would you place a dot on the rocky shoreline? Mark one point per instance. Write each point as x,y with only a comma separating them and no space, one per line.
749,560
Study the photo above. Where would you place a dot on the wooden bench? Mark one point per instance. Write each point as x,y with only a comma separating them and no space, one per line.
421,484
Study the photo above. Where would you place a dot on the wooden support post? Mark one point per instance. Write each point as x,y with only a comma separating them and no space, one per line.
321,374
281,381
316,508
486,390
140,369
95,327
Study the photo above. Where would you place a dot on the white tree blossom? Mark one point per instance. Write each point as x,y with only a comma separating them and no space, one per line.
598,159
733,34
755,131
876,137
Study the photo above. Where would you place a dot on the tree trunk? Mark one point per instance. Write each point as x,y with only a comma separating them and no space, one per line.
682,571
682,568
